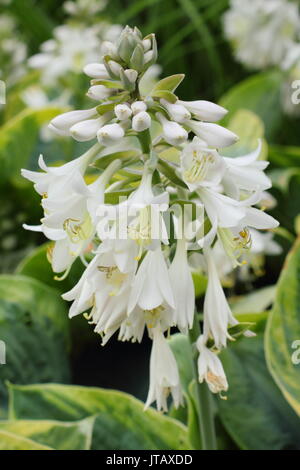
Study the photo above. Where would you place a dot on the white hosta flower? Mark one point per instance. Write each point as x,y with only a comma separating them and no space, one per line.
204,110
87,130
141,121
44,182
210,368
183,288
133,327
246,172
131,74
72,47
164,375
172,132
139,217
71,224
104,287
138,107
99,92
62,124
176,111
152,286
261,31
84,7
123,111
96,70
213,134
217,313
110,134
201,166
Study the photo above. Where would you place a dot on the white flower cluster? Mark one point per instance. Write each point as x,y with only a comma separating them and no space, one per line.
72,47
13,51
137,275
262,31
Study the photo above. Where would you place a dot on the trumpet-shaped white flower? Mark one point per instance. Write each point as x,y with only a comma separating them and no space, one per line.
183,288
201,166
151,287
164,376
217,313
210,368
246,172
204,110
105,287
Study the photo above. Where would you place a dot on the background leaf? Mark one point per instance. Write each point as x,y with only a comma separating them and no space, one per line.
120,421
255,414
283,329
55,434
34,327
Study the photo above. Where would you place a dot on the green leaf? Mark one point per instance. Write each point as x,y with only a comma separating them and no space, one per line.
105,160
259,93
255,302
10,441
120,420
36,265
250,128
284,156
18,139
168,83
283,331
200,283
59,435
255,414
181,348
35,328
165,94
169,171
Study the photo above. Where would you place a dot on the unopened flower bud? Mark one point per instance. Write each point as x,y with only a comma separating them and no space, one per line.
122,111
108,48
114,67
110,134
131,75
95,70
213,134
173,133
146,44
138,107
99,92
148,56
62,123
204,110
176,111
141,121
86,130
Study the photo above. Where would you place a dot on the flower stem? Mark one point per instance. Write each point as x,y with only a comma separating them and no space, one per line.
203,400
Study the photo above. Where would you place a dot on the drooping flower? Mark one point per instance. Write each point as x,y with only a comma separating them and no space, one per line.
164,375
217,313
210,368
